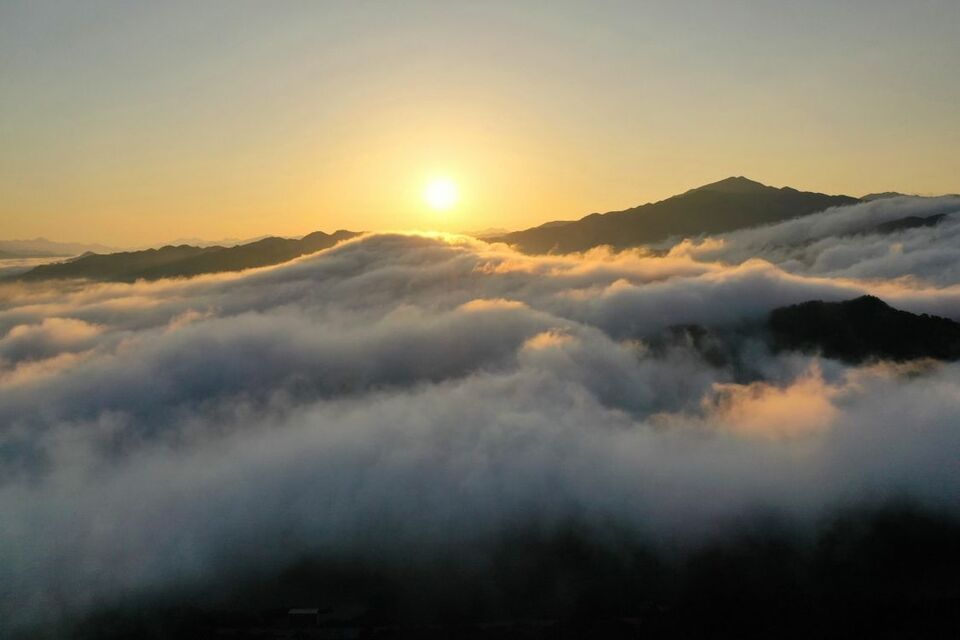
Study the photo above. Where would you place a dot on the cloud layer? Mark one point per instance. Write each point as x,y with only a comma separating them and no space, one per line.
849,242
402,395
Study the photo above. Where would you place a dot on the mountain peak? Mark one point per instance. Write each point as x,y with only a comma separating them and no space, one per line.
882,196
734,184
733,203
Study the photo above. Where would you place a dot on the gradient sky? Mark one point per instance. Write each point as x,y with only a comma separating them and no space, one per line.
131,122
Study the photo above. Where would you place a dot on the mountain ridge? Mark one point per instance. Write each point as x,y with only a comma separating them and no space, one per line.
181,261
728,204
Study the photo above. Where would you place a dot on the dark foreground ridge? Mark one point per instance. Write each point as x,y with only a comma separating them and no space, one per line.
185,260
887,573
862,329
727,205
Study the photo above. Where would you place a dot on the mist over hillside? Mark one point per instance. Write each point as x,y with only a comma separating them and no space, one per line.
436,427
43,248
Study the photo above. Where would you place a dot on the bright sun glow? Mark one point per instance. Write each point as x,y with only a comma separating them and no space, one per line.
441,194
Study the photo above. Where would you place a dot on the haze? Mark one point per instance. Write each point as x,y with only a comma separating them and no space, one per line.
130,123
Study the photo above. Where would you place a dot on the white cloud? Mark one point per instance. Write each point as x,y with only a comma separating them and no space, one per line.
402,394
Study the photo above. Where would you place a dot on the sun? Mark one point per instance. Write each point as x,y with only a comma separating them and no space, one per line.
441,194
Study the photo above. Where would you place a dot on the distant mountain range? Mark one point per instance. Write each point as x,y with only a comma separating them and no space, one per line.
43,248
733,203
727,205
185,260
200,242
881,196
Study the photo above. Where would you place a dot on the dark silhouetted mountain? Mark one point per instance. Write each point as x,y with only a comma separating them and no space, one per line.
733,203
185,260
862,329
126,265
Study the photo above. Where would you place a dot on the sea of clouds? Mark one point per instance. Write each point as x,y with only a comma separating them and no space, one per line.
401,395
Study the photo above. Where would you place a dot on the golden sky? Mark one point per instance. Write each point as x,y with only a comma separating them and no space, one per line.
130,123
